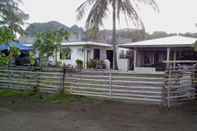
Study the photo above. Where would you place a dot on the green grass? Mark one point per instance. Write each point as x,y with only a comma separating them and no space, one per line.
58,98
12,93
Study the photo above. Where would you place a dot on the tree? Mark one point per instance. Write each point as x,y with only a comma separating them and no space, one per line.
12,16
100,8
48,43
7,35
11,21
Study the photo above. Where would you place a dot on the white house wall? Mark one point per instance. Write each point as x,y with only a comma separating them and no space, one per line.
80,52
76,53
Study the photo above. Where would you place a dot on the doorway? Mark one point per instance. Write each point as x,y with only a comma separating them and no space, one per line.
109,54
97,54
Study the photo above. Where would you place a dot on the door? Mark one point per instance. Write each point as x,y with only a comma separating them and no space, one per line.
109,54
97,54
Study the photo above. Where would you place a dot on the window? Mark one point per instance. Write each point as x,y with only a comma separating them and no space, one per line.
65,53
124,54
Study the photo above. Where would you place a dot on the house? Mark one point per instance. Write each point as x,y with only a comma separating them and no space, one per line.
87,50
159,54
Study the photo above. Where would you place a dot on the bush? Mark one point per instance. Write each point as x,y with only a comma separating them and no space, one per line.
92,64
96,64
4,60
100,65
79,63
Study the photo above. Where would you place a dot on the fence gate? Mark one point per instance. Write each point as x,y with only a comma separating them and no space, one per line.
179,86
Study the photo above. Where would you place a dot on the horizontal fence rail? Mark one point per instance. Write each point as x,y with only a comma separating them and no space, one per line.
167,88
129,86
47,80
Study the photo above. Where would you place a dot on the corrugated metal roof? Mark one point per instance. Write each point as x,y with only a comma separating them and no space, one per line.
172,41
86,43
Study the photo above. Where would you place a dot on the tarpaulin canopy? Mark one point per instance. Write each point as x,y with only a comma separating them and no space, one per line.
19,45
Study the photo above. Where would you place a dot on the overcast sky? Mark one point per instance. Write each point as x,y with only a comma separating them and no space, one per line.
174,16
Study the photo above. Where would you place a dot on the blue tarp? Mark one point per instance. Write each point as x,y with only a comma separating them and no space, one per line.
21,46
4,47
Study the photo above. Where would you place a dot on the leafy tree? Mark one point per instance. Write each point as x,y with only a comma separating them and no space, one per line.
99,10
65,53
32,58
48,43
13,53
12,16
11,21
6,35
4,60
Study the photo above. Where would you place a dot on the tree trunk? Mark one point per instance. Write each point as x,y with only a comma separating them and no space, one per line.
115,63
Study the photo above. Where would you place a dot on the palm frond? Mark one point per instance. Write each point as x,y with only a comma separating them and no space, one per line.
128,10
152,3
97,13
81,10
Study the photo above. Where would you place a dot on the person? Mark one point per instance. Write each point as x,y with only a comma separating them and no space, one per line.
107,64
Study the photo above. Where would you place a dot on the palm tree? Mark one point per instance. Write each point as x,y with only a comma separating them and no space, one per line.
12,16
100,8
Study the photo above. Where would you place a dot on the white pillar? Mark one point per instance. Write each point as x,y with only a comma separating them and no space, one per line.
174,59
85,59
168,58
134,58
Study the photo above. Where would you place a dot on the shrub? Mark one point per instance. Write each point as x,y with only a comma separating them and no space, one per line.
100,64
92,64
79,63
96,64
4,60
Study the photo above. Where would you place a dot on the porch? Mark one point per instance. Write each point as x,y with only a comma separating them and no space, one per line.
158,59
160,54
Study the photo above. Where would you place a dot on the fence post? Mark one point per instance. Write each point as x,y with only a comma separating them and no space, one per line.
63,78
168,88
37,87
9,77
110,82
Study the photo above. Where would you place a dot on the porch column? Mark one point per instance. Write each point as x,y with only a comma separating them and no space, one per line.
174,59
168,58
134,58
85,58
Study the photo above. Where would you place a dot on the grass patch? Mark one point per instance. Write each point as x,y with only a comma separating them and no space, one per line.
13,93
59,98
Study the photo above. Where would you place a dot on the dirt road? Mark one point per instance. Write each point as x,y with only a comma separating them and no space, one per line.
98,116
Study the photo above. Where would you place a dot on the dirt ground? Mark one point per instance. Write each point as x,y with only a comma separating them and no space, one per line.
22,115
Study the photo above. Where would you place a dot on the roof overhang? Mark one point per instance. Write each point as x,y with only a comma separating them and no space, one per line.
172,41
88,43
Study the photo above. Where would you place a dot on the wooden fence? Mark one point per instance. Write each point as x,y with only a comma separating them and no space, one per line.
167,88
47,80
130,86
179,87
